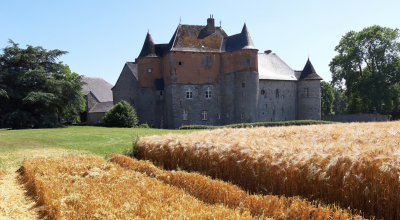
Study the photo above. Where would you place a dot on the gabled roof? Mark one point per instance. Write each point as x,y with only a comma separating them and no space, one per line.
309,72
101,107
98,87
238,41
133,68
148,49
272,67
196,38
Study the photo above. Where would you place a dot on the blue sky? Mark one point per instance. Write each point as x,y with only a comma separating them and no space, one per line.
101,36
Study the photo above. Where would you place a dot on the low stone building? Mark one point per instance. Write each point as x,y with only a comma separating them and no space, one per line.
203,76
99,99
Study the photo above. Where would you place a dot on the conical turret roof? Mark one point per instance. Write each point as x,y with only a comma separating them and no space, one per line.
148,49
238,41
309,72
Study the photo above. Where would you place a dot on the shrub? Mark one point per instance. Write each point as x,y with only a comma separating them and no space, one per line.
258,124
67,123
121,115
144,126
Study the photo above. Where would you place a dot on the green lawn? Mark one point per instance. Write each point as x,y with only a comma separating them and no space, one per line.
17,145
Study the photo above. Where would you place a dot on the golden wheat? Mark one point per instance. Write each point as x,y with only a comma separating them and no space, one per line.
219,192
356,164
84,187
2,173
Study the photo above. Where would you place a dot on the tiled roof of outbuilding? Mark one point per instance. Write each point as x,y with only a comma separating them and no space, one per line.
309,72
101,107
99,88
272,67
238,41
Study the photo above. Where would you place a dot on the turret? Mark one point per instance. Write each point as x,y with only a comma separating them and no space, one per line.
148,49
309,72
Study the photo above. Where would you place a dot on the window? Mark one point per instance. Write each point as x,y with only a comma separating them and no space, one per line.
277,93
180,63
243,84
305,92
161,93
227,115
282,110
241,115
248,61
262,113
218,116
262,92
185,115
207,61
204,115
189,93
149,70
208,93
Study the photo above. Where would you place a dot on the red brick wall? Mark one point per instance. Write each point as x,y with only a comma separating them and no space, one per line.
147,79
236,61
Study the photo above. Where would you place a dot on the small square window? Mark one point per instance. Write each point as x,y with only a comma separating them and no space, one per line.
262,113
180,63
243,84
248,61
204,115
149,70
207,61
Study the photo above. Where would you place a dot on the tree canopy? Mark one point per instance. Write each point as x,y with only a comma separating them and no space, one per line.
368,68
35,89
327,98
122,114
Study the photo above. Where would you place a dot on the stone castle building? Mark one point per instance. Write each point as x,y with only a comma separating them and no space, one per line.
203,76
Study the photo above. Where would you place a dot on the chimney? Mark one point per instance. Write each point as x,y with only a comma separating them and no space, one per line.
210,24
268,51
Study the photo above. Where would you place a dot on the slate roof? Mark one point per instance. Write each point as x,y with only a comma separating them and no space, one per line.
99,88
309,72
272,67
133,68
238,41
101,107
196,38
148,49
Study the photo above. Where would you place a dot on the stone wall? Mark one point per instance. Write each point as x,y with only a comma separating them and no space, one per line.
96,117
355,118
274,107
126,87
309,105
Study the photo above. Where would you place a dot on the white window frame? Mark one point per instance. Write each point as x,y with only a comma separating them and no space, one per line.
208,93
305,92
204,115
185,115
189,93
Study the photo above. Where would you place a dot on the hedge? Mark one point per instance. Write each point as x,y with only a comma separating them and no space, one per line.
258,124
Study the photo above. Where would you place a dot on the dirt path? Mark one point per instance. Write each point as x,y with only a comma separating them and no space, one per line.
14,202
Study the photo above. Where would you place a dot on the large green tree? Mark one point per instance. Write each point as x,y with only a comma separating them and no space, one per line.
35,90
368,68
327,98
339,103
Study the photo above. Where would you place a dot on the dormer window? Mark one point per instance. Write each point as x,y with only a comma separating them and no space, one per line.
149,70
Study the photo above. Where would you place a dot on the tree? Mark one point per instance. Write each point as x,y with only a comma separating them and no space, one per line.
339,103
327,98
35,89
368,66
121,115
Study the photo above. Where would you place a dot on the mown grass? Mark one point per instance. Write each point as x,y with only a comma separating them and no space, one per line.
17,145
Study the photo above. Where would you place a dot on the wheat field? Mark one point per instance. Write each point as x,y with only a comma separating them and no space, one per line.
219,192
83,187
354,165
